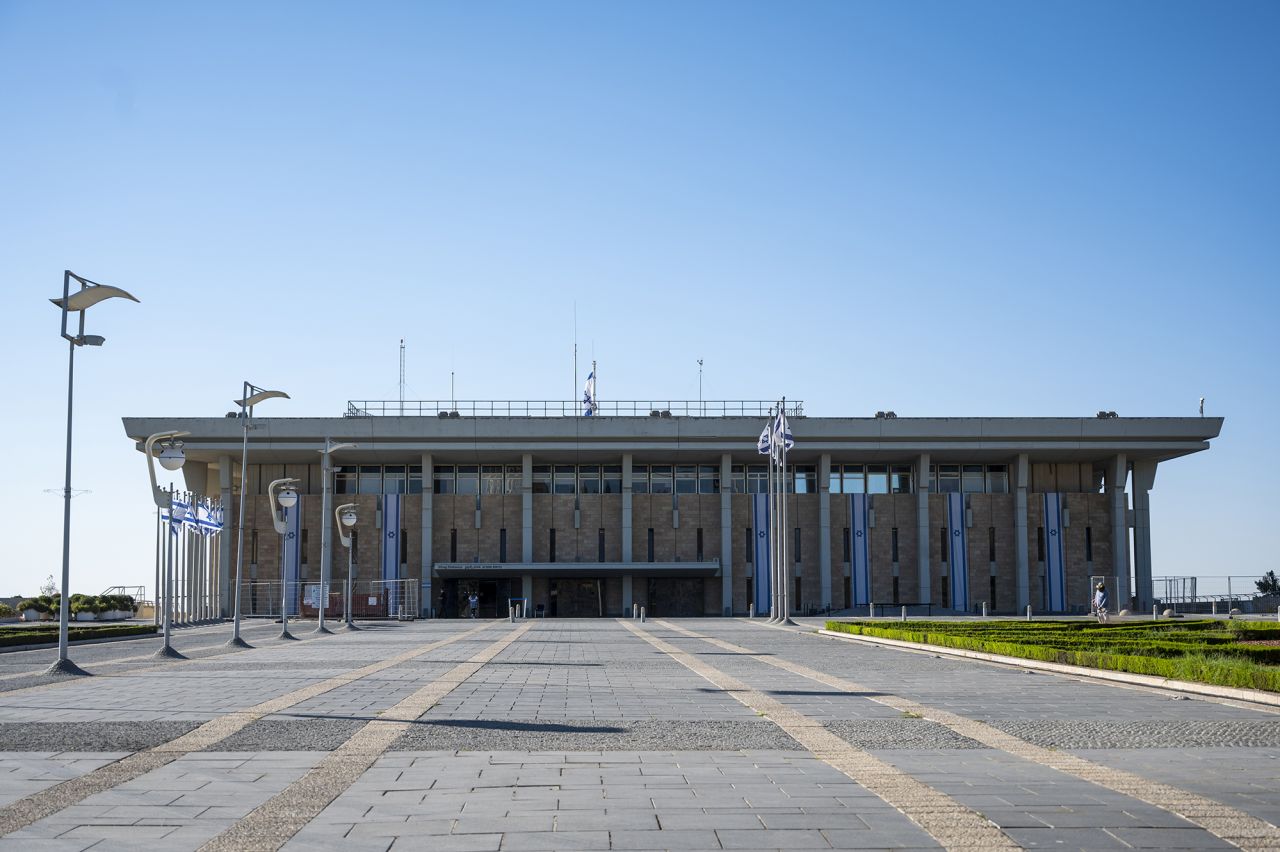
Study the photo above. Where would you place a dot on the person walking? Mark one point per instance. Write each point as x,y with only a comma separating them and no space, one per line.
474,602
1100,602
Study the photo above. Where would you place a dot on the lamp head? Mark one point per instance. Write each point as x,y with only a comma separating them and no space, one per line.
171,456
287,497
90,340
253,399
349,518
91,295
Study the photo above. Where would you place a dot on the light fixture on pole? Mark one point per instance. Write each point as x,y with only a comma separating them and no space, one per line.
346,517
284,498
171,458
89,294
326,555
251,396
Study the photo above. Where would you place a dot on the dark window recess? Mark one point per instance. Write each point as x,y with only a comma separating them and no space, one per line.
751,545
895,590
453,545
404,547
502,545
253,546
1040,543
944,542
302,547
1088,544
993,594
946,590
991,544
699,544
650,544
893,545
847,557
600,545
551,545
798,559
355,545
751,588
796,603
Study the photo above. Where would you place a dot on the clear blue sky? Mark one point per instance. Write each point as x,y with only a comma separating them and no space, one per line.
939,208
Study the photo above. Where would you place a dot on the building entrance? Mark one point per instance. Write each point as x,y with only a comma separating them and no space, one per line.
577,597
451,600
675,596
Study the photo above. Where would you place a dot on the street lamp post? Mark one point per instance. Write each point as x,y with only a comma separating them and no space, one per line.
326,556
285,498
252,396
346,517
171,459
89,294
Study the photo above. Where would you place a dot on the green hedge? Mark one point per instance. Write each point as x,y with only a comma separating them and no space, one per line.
75,633
1204,652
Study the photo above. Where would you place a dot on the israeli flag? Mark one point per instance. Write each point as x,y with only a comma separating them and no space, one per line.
764,444
761,585
782,438
859,551
958,553
179,511
1055,576
589,395
391,536
291,555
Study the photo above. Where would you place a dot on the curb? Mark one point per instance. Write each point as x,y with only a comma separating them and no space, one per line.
1253,696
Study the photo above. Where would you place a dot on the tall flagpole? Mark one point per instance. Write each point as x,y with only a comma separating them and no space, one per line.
786,570
773,541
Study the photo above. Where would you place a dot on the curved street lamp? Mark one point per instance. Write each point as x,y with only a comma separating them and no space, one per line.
346,517
89,294
326,555
171,458
250,397
283,496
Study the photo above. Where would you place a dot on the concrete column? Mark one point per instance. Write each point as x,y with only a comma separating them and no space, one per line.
726,533
922,527
225,539
1117,473
1144,479
626,594
526,508
526,591
824,528
1021,482
626,508
428,602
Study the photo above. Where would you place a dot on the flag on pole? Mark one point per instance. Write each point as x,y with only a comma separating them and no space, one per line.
763,445
589,395
782,438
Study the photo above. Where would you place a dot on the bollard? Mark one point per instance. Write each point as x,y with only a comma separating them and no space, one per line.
511,613
984,609
642,614
1155,612
1213,607
1278,613
871,610
751,610
1028,612
904,613
635,610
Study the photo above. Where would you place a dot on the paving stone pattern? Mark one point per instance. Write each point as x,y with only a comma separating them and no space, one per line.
580,735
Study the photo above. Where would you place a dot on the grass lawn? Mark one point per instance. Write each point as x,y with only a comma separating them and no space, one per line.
1224,653
48,632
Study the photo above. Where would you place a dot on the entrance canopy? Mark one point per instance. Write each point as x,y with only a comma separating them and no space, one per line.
478,570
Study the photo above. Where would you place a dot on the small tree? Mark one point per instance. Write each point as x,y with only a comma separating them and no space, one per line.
1269,584
50,588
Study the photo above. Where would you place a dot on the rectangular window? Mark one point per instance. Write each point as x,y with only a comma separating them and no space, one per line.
893,545
303,547
796,601
833,479
686,479
660,479
738,479
404,547
993,594
799,557
640,479
699,545
900,479
551,545
1088,544
370,479
453,545
933,479
345,479
393,479
895,590
709,479
877,479
468,479
944,542
997,479
589,479
565,482
1040,543
751,546
972,479
491,481
415,479
946,590
847,558
758,479
855,479
442,478
502,545
611,480
600,545
514,476
991,544
542,479
948,479
806,479
650,544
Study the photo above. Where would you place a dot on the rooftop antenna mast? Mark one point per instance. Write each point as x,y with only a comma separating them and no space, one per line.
402,377
574,395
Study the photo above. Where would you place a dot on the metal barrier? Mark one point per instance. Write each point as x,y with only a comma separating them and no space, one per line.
565,408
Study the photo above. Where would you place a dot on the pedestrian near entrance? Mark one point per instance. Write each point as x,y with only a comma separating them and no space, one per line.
474,603
1100,603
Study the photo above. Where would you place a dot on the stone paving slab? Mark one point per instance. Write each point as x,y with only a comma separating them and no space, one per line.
559,733
24,772
89,736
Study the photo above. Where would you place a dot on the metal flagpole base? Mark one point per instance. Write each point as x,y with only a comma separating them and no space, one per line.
237,642
65,667
285,634
168,653
787,622
351,625
323,630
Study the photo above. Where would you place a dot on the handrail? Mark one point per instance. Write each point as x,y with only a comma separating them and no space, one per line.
566,408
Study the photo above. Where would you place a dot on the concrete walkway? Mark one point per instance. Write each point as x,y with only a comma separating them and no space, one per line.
601,734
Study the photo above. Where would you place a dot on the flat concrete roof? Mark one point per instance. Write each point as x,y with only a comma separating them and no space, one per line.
392,440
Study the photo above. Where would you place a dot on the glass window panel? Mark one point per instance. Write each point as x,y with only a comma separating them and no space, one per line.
640,479
738,475
709,479
933,479
972,480
542,479
415,479
660,479
565,479
468,479
806,479
877,479
686,479
491,479
949,479
855,479
900,479
370,479
833,480
589,478
345,479
514,478
443,477
758,479
393,479
997,479
611,479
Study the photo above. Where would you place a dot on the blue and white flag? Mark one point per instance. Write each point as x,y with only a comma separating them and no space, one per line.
1055,576
291,555
589,395
391,543
764,444
957,553
859,551
762,585
179,510
782,440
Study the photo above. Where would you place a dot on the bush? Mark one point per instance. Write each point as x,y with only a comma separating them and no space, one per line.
33,603
6,611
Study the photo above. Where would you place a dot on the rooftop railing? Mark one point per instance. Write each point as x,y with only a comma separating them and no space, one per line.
566,408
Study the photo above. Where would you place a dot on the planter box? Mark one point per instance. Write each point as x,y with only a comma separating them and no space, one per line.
32,615
85,616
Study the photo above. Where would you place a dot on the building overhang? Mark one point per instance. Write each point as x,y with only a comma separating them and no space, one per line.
495,570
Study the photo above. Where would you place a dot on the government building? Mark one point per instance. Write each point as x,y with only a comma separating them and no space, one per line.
656,505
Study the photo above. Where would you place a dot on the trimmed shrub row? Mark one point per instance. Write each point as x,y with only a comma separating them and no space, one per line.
38,636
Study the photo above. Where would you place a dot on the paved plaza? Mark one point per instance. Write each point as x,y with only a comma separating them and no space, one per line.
687,734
